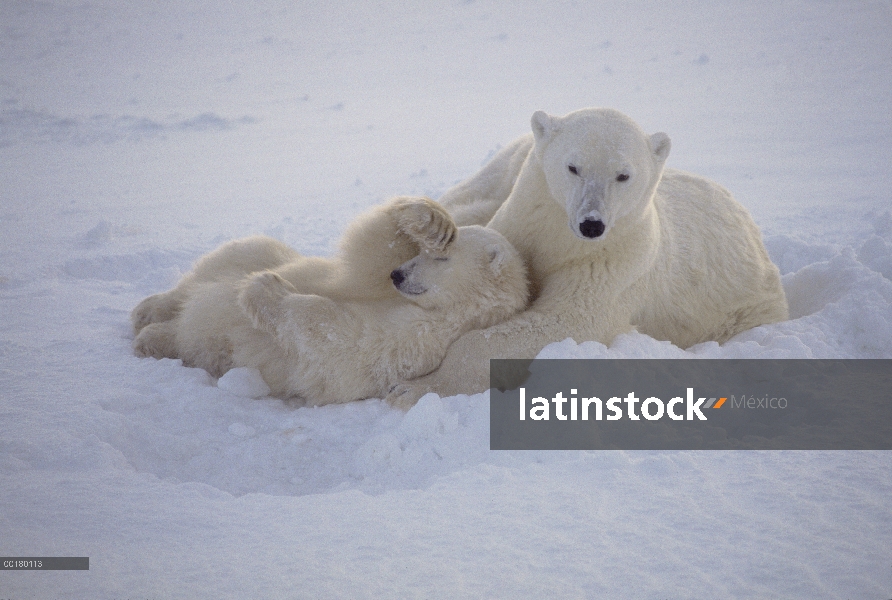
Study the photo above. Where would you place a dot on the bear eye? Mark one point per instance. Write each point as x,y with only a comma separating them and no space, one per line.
573,170
441,258
622,177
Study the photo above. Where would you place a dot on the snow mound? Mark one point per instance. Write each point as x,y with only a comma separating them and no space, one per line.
245,382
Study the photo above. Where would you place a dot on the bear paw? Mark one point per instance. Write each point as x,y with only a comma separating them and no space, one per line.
154,309
426,222
156,340
406,395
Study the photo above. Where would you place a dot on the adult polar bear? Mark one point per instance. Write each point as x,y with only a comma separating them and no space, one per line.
612,241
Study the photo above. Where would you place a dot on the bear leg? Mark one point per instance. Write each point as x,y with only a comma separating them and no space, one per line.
157,308
261,299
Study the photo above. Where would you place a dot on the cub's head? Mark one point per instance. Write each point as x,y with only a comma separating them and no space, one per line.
480,278
600,165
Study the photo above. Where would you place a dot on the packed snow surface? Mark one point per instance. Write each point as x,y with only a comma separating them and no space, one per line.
134,137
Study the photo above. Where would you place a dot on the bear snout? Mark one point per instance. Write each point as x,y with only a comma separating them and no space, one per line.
591,229
397,277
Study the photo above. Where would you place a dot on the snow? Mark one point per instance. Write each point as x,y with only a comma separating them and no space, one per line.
135,137
244,382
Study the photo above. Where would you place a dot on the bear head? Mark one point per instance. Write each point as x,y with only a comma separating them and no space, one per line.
480,277
599,165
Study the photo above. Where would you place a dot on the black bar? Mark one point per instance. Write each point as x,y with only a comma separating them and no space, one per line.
696,404
44,563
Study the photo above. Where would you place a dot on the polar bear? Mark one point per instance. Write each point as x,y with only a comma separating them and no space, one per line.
340,329
336,351
613,241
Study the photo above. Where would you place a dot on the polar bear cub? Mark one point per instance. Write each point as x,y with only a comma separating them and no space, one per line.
404,285
336,351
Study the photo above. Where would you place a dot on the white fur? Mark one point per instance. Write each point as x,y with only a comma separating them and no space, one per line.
666,252
338,329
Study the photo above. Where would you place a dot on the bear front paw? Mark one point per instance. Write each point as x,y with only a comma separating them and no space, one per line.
260,297
405,395
426,222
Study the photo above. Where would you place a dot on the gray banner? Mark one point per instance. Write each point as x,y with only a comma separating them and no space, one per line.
691,404
45,563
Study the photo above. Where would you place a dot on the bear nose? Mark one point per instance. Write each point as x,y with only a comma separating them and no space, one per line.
397,277
591,229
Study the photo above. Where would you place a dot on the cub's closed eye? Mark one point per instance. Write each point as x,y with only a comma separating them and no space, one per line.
441,258
573,170
622,177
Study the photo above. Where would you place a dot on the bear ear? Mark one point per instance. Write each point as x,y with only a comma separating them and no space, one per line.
496,255
543,125
660,144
